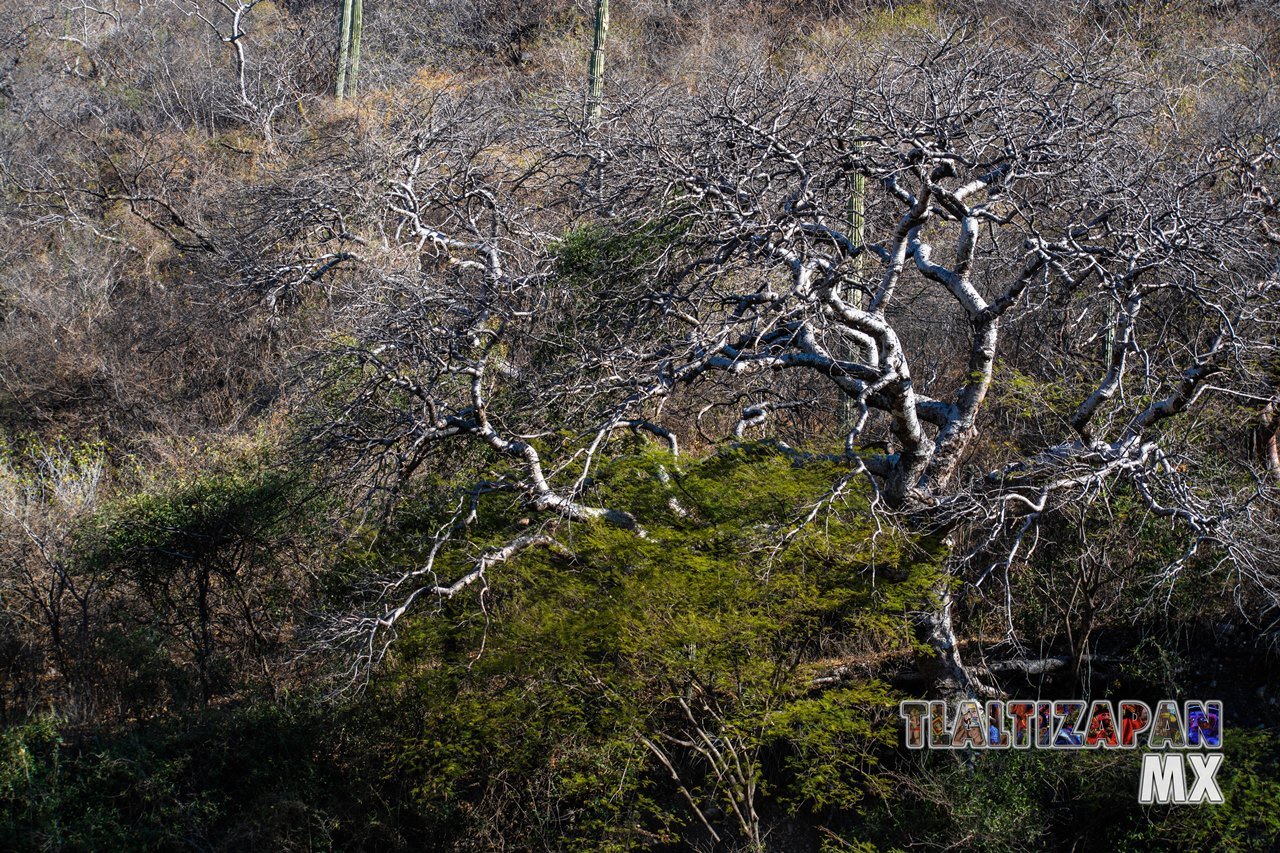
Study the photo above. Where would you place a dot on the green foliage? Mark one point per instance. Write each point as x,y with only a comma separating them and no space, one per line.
722,607
522,716
28,757
520,721
193,521
601,270
256,778
1036,799
194,573
593,253
1249,819
1034,398
832,743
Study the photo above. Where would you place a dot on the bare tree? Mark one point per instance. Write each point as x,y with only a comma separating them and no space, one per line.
1019,209
262,89
44,493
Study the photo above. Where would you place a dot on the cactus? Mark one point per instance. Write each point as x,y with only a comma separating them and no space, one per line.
595,71
1109,353
349,48
357,28
848,412
344,48
858,225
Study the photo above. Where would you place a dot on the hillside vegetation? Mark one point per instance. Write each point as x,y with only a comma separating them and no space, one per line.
471,426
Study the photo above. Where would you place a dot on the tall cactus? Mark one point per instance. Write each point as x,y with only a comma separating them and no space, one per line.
357,28
1108,357
349,48
858,223
344,50
595,71
857,210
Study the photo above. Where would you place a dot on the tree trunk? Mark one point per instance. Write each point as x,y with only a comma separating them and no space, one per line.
944,673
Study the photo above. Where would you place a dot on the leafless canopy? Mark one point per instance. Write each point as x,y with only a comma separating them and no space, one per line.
1028,218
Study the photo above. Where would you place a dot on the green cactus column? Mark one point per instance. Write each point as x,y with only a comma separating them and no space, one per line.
858,225
595,72
357,28
848,412
1108,356
344,50
349,48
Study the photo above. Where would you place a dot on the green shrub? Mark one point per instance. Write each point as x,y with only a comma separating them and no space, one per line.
713,621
